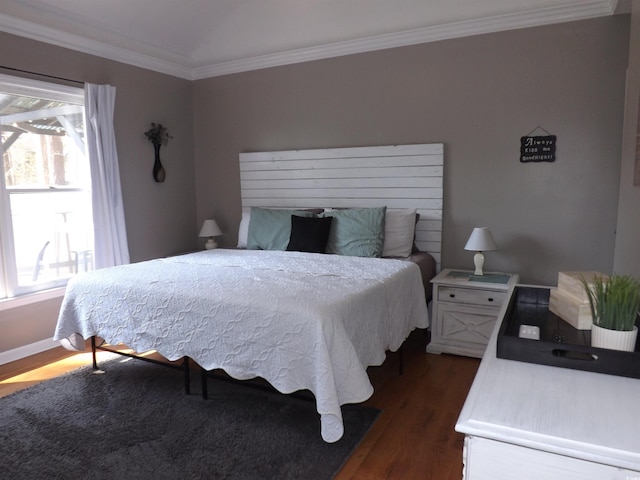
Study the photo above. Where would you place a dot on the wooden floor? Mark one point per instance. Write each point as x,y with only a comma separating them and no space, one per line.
413,438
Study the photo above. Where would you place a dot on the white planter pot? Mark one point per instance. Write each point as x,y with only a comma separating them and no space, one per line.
614,339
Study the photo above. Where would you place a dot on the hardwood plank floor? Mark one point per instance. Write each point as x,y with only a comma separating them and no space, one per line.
413,438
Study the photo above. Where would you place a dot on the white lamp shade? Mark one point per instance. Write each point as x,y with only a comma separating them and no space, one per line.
210,229
481,240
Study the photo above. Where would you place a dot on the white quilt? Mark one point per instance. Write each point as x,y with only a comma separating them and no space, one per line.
299,320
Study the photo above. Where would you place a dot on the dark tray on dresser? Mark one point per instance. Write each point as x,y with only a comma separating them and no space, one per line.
560,344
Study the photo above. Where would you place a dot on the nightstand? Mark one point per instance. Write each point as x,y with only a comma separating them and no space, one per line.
465,309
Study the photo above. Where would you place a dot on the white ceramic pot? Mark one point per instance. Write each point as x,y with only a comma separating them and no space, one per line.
614,339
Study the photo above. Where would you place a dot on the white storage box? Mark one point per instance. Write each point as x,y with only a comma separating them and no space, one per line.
570,309
571,284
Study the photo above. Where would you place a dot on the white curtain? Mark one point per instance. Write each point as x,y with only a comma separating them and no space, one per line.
108,213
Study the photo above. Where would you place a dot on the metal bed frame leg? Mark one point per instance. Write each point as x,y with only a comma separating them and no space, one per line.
93,352
203,381
186,370
187,377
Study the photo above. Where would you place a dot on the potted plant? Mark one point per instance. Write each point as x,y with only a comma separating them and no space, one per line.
614,302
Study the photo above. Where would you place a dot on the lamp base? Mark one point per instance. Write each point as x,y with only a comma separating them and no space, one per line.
211,244
478,261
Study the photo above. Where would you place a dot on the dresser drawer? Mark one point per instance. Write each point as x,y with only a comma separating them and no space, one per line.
487,298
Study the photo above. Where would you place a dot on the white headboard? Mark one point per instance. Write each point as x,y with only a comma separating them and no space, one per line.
399,176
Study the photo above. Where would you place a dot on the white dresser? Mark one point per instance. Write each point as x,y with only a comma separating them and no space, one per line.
526,421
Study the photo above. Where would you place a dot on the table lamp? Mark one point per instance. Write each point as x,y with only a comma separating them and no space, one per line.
480,241
210,229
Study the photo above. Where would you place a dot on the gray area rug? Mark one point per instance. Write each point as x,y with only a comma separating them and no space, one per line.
134,421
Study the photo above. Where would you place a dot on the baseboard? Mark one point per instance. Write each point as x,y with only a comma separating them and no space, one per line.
27,350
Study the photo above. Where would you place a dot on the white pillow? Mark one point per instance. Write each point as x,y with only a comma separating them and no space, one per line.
243,230
399,230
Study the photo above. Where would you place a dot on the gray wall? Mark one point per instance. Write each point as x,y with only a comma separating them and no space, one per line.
478,95
160,218
627,259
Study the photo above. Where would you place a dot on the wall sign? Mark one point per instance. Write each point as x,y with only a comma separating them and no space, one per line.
538,149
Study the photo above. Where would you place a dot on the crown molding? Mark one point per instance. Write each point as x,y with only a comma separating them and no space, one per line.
579,11
550,15
52,36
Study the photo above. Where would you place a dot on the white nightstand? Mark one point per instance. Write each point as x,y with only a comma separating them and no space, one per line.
465,309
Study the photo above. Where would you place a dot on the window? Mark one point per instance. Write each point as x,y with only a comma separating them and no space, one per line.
46,222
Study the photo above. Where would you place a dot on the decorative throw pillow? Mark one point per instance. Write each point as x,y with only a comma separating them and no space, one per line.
243,229
309,234
357,232
399,231
270,229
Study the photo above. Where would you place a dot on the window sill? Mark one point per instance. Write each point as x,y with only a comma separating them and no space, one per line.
30,298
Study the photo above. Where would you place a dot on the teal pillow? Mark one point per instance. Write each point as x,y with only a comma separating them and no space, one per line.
270,229
357,232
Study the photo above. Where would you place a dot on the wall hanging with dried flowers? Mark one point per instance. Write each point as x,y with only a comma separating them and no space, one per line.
158,135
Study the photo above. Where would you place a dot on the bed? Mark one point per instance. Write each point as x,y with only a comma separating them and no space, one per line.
226,309
310,317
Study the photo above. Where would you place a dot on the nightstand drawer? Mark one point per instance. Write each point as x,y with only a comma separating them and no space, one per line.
489,298
466,324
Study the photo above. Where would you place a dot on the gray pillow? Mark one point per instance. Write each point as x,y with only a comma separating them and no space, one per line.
358,232
270,229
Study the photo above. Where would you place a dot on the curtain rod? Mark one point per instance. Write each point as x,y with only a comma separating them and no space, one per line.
42,75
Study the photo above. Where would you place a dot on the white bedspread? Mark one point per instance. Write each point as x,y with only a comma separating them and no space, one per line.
299,320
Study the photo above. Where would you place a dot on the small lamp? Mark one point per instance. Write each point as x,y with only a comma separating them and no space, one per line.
210,229
480,241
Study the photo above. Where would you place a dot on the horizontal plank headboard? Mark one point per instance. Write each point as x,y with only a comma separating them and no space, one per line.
399,176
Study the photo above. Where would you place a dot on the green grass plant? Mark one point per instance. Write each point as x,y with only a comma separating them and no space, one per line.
614,301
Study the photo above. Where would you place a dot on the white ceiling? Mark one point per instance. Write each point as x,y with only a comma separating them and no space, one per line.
202,38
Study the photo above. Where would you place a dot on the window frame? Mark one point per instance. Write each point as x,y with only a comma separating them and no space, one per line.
12,85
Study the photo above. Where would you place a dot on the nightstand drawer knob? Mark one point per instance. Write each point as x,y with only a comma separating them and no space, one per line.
490,299
452,295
